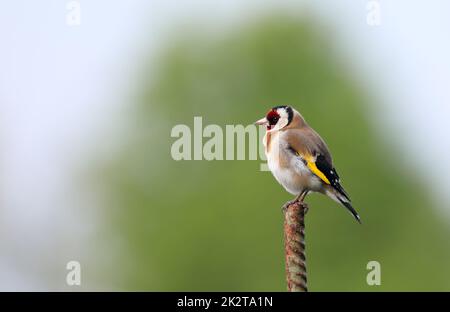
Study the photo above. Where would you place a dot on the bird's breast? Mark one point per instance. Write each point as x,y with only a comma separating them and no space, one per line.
288,169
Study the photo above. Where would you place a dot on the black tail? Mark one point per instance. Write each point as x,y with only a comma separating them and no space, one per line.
342,198
350,208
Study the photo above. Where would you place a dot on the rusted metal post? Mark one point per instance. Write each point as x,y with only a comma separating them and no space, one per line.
294,244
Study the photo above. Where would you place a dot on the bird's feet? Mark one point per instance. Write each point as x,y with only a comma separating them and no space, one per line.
291,202
287,204
305,207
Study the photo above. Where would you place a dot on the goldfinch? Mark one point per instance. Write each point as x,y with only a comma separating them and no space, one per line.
299,159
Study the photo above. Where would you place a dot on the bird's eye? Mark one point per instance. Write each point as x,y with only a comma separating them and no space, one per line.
273,117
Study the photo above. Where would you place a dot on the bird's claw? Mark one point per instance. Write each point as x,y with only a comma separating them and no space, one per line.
305,208
287,204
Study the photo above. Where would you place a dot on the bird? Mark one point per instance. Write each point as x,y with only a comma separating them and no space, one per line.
299,159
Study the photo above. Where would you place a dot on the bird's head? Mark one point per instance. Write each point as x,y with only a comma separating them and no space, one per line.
278,118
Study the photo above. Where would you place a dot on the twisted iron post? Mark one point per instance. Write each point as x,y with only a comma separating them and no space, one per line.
294,244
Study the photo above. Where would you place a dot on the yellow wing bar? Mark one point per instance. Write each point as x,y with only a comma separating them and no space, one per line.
312,166
310,161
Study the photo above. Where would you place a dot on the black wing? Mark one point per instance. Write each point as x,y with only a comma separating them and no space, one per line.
326,168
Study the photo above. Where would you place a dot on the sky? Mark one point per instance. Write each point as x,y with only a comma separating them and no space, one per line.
57,108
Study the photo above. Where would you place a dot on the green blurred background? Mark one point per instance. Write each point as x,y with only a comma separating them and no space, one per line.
217,225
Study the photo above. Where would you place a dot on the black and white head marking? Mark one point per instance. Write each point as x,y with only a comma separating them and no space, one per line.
283,116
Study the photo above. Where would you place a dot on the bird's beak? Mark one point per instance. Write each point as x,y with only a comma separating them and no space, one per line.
262,121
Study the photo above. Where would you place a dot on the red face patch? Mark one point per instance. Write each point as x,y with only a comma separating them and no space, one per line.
272,117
